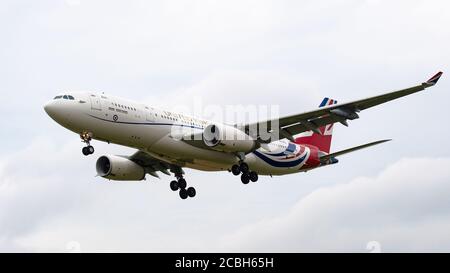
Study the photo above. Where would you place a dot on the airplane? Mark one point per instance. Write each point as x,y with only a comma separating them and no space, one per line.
167,142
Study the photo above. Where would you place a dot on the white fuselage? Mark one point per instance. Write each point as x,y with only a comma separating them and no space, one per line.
133,124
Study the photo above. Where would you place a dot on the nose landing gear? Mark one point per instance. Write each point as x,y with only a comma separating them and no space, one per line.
88,150
86,137
246,174
180,184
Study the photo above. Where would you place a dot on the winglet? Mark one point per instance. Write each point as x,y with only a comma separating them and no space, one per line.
433,80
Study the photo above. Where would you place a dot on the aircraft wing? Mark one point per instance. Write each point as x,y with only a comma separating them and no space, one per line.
311,121
153,165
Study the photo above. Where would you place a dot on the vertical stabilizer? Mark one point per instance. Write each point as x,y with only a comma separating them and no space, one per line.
323,141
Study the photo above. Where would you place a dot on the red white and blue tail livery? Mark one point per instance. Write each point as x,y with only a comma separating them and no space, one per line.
321,139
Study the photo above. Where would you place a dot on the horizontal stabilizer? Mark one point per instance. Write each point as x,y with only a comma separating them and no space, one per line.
336,154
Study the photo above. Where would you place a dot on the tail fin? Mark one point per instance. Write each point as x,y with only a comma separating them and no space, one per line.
323,141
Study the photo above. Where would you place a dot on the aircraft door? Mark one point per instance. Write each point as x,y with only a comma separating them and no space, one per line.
95,103
150,114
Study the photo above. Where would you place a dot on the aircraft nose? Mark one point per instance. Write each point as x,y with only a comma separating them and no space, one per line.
50,108
56,111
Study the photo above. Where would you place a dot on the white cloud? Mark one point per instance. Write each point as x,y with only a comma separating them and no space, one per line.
35,186
50,197
405,208
58,201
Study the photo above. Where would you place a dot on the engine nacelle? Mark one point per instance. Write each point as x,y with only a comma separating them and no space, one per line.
227,139
119,168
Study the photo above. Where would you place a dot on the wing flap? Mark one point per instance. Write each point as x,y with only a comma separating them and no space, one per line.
153,165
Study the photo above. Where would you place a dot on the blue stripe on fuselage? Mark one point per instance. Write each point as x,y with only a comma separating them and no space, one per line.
280,164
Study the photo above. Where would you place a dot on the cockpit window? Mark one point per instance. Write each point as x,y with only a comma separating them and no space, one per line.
66,97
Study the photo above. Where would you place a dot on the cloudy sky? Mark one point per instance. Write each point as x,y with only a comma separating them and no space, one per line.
393,197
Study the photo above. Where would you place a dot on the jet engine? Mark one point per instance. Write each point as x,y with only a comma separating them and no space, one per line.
227,139
119,168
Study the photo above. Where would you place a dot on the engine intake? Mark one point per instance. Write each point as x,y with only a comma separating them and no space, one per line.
119,168
227,139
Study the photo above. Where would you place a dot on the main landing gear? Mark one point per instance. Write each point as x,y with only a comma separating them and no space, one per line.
86,137
180,184
246,174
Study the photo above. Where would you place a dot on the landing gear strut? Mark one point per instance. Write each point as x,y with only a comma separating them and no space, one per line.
86,137
246,174
180,184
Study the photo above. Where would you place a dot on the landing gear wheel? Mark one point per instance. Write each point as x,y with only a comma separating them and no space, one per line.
86,138
174,185
245,178
85,151
235,170
253,176
191,192
182,183
244,167
183,194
